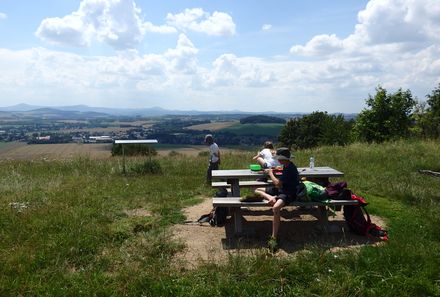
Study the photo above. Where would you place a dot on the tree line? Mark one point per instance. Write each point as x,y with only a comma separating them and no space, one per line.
388,116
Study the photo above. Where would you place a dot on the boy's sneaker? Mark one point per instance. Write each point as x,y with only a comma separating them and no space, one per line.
272,244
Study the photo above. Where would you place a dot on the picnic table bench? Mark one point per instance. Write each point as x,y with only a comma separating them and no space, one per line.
243,184
240,178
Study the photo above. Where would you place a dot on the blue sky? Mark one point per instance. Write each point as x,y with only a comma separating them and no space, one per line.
287,56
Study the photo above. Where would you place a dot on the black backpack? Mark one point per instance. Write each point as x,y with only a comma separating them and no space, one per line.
359,221
218,216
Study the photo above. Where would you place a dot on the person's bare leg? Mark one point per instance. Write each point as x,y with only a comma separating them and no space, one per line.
262,193
276,208
261,162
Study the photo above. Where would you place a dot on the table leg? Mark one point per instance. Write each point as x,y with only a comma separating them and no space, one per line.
323,219
237,215
235,187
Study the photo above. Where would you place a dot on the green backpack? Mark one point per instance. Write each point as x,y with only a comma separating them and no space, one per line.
314,191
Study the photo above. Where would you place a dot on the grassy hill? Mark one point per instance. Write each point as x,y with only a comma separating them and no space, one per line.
65,230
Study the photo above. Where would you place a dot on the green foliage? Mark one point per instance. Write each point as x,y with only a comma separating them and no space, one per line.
133,149
387,117
316,129
428,117
260,119
147,167
434,101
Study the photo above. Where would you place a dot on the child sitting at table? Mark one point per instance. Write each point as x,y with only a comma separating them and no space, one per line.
283,193
265,156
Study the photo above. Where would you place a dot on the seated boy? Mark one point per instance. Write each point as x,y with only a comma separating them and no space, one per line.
283,193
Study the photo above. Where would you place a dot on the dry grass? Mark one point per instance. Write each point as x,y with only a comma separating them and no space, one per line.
62,151
55,151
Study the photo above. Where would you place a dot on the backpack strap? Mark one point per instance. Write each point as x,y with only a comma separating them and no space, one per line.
379,232
360,199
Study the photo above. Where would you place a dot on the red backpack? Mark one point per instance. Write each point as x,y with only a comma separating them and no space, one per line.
359,222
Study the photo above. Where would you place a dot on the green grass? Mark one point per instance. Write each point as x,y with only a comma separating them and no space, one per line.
65,232
255,129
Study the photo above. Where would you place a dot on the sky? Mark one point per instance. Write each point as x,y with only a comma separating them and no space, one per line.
278,55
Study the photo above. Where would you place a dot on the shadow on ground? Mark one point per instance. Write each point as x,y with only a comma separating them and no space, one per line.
299,230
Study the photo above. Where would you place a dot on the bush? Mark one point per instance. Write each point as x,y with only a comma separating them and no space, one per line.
315,129
147,167
133,150
388,116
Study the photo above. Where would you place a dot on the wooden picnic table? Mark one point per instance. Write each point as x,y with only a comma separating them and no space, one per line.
233,177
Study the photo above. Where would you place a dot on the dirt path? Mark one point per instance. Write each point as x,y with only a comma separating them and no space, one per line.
299,231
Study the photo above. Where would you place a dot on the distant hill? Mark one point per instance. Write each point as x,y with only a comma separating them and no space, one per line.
51,113
85,110
262,119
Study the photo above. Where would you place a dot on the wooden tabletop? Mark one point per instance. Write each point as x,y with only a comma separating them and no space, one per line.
303,171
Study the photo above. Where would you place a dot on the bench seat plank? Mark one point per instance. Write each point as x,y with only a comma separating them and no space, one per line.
242,183
235,202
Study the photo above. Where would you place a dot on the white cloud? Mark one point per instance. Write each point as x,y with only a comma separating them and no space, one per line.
117,23
196,19
395,44
164,29
183,57
384,25
401,21
266,27
319,45
3,16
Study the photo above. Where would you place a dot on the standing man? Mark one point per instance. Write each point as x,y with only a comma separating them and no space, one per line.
283,193
214,156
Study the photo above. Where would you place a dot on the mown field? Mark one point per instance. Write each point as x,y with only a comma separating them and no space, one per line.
66,229
23,151
63,151
213,126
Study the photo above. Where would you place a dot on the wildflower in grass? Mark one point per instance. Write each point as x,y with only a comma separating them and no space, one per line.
19,206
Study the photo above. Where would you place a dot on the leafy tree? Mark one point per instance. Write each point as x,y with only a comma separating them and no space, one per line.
317,128
433,113
434,101
388,116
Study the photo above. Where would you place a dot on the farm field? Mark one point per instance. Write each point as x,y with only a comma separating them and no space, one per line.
214,126
22,151
106,130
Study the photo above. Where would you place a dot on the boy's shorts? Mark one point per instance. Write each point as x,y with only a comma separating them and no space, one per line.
274,191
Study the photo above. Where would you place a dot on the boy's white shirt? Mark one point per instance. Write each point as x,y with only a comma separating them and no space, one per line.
214,150
267,155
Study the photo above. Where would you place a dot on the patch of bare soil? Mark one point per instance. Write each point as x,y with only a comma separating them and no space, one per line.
299,231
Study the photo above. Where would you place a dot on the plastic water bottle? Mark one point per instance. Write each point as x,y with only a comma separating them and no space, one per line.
312,163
